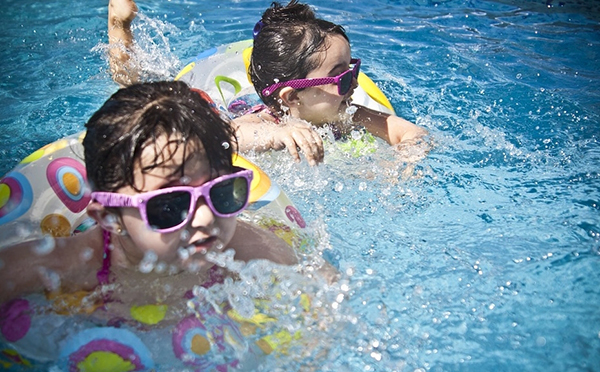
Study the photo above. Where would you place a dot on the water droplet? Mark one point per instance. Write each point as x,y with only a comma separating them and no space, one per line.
50,279
87,254
184,235
148,262
45,246
183,253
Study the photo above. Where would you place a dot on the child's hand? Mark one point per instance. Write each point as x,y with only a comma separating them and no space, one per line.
122,11
297,135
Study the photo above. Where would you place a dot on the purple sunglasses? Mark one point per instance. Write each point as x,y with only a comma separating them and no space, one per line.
343,81
169,209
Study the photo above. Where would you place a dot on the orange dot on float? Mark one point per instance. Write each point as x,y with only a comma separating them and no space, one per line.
71,183
55,225
4,194
200,345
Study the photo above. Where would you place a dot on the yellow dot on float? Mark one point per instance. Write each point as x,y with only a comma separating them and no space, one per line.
99,361
148,314
56,225
200,345
71,183
33,156
4,194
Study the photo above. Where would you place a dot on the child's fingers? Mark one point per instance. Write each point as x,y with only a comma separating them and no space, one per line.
318,144
290,144
307,145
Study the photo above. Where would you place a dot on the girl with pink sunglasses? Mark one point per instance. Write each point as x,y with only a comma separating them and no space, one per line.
159,163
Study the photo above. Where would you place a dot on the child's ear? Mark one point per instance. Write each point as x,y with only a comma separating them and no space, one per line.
108,220
289,96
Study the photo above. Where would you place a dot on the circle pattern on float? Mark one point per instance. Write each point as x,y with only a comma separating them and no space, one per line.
56,225
106,349
67,177
208,345
16,197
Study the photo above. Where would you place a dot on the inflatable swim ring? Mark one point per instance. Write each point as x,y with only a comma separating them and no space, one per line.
47,194
222,73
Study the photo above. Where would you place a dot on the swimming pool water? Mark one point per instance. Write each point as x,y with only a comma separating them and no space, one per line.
481,255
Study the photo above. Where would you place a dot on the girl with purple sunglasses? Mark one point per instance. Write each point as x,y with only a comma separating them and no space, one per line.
303,71
159,163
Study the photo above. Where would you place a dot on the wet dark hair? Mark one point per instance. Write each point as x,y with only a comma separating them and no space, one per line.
286,39
135,117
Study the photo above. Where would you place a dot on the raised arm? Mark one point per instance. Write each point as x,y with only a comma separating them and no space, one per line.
391,128
120,40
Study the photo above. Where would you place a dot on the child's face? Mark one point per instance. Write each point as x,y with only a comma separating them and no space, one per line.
322,104
204,231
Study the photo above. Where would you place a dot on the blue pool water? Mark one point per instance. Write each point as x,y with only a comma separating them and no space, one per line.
481,256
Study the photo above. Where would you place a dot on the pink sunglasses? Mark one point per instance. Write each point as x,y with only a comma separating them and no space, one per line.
169,209
343,81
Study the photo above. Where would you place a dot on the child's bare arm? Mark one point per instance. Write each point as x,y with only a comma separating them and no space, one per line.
251,242
120,40
391,128
50,264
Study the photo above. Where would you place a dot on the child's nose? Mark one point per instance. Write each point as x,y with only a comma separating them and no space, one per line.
203,215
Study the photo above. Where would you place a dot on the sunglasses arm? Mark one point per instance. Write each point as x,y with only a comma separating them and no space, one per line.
298,84
109,199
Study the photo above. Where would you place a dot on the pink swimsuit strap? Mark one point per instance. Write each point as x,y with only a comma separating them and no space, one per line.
104,272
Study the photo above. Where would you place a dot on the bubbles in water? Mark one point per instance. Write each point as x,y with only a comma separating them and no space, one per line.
148,262
50,278
339,187
350,110
45,246
183,253
362,186
160,267
87,254
356,135
184,235
185,180
215,231
23,230
224,259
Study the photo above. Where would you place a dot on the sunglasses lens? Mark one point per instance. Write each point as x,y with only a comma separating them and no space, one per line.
356,70
230,196
345,82
168,210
